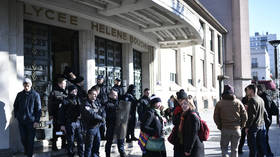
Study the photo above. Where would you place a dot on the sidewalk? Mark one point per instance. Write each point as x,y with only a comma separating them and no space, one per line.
212,146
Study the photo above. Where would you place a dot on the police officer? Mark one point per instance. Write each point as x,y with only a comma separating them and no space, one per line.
70,118
102,98
93,115
27,110
79,82
144,103
69,75
130,96
111,109
56,98
118,87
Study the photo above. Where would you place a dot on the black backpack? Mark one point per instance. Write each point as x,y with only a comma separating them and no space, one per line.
274,110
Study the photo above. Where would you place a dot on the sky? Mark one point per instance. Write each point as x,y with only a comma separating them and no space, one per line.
264,16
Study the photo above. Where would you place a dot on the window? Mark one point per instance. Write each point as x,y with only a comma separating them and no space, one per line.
189,68
202,73
254,62
219,49
211,39
202,26
255,75
173,77
172,56
212,75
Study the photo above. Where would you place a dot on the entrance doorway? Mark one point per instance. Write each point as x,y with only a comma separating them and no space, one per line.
137,66
47,50
108,60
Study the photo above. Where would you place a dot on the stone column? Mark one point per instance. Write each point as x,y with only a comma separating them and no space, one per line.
127,64
148,77
87,57
11,69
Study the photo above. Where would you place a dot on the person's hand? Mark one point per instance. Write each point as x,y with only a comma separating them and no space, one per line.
187,154
62,128
36,125
161,108
246,131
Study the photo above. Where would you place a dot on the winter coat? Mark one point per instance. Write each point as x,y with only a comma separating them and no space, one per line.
55,101
103,95
111,110
256,111
230,114
70,111
152,123
119,90
143,106
191,141
92,114
27,107
134,103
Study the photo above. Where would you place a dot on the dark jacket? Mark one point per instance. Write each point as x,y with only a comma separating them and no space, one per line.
55,100
255,112
152,123
82,94
92,114
134,103
111,110
143,106
267,103
119,90
103,95
27,107
191,141
70,111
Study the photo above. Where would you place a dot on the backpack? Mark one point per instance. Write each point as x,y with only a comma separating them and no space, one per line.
204,130
274,109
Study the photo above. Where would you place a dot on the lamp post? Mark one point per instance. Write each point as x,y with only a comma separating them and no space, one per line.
275,43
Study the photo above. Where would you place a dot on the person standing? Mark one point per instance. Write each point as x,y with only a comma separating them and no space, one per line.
267,103
255,128
82,94
70,119
56,98
143,103
152,125
92,115
230,117
111,111
27,110
131,97
118,87
102,98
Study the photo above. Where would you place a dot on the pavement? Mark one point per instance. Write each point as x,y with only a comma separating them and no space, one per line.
212,146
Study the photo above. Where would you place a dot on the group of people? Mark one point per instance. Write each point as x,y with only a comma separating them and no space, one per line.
252,117
99,114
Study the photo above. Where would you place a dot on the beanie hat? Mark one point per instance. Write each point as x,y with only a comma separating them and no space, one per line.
71,88
99,77
228,89
27,80
182,94
154,100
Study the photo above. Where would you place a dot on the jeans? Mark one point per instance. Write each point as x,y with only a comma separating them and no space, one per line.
242,139
232,136
257,141
73,130
110,137
92,142
27,135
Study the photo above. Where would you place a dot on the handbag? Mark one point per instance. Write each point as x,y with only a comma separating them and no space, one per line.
155,144
171,137
142,140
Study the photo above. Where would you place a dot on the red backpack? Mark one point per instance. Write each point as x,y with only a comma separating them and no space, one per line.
204,131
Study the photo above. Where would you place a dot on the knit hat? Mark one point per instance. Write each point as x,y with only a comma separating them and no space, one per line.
71,88
182,94
228,89
154,100
117,79
27,80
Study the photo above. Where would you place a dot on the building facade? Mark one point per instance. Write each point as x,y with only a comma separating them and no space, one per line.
234,16
194,68
260,63
260,42
127,39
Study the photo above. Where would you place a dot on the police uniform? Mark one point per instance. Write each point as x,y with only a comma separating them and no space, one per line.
111,109
54,105
70,117
93,115
143,106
